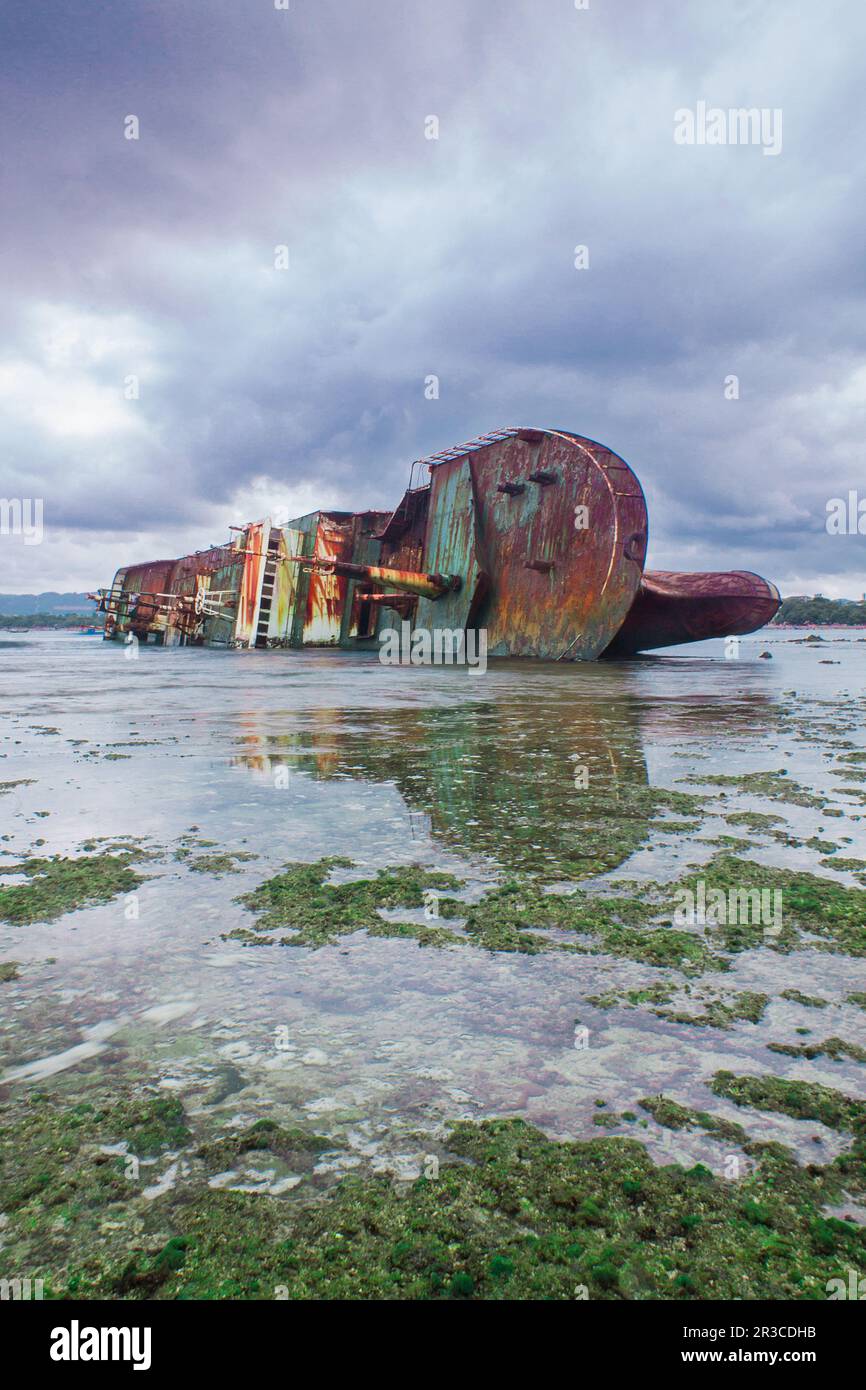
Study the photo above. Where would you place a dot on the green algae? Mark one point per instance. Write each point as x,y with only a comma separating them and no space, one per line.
318,912
62,885
819,906
149,1124
775,785
732,843
9,970
516,915
176,1260
672,1115
820,846
676,827
65,1194
222,861
520,914
516,1216
608,1120
512,916
809,1001
753,820
802,1100
633,998
830,1047
424,935
747,1006
722,1011
264,1136
49,1163
842,864
218,864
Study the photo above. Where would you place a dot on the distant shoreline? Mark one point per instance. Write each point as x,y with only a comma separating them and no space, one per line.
43,622
64,624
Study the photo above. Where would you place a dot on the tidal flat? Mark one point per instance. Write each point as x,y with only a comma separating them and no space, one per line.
325,979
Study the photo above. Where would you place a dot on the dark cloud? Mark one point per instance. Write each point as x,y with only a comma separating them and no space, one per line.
408,257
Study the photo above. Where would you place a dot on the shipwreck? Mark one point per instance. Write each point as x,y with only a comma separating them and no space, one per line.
538,537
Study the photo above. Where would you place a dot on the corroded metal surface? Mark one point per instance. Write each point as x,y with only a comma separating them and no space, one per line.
536,537
286,576
674,608
249,594
431,586
327,590
550,531
136,600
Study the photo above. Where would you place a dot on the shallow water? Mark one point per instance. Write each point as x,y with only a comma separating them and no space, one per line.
297,755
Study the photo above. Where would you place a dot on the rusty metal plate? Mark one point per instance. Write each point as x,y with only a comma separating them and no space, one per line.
549,532
674,608
326,594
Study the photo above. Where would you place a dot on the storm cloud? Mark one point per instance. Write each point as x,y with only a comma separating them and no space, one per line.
161,377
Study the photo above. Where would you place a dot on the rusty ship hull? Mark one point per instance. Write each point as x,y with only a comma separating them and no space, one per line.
536,537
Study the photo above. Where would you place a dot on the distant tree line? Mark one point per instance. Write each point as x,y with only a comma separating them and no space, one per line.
48,602
16,622
800,611
819,612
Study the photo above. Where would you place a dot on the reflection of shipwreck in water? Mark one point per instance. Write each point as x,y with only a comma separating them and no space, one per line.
533,781
537,537
534,785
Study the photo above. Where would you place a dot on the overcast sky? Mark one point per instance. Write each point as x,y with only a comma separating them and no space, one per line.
411,257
